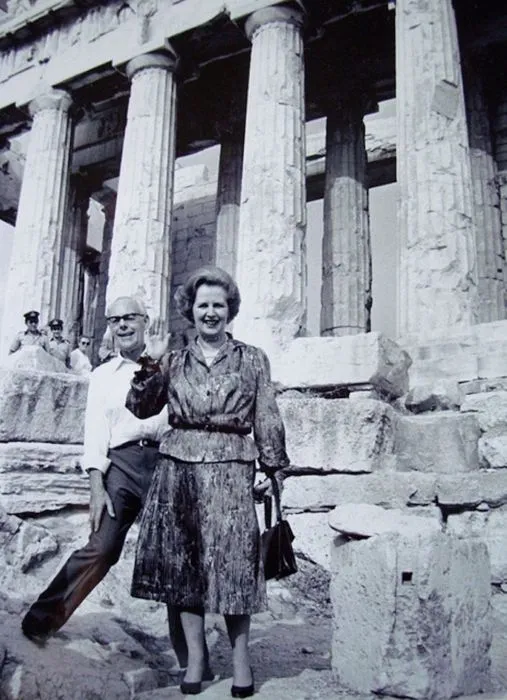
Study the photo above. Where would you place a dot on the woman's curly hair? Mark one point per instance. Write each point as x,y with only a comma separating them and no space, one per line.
209,274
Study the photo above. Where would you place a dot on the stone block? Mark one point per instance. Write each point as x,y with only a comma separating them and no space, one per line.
437,442
33,357
360,520
38,477
406,621
389,489
472,490
41,406
365,359
490,409
312,536
493,450
339,435
476,353
491,526
498,650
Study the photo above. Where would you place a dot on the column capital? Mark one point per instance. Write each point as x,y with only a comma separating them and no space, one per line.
269,15
157,59
52,99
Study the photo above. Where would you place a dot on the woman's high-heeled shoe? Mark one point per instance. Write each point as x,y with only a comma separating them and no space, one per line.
191,688
243,691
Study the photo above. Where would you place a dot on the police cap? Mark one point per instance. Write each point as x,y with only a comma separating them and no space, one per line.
56,324
31,316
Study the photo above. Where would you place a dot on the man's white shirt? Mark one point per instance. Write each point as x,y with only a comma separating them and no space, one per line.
80,363
107,422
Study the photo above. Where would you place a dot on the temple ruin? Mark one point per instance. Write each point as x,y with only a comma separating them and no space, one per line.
100,104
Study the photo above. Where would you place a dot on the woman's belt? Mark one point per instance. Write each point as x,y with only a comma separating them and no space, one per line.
211,427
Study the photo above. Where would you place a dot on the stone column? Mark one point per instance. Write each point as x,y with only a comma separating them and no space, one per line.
107,199
346,253
35,267
72,267
486,202
140,251
228,198
437,268
271,267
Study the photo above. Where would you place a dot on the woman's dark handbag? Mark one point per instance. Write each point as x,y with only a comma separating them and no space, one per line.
276,541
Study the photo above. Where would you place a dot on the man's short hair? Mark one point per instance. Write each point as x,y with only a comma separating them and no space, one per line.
139,303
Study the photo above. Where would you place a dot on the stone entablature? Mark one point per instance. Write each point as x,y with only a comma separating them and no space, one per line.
113,32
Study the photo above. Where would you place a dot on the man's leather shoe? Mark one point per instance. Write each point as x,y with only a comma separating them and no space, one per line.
35,633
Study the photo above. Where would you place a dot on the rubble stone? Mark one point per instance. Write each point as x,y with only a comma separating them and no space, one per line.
23,545
442,395
493,450
490,408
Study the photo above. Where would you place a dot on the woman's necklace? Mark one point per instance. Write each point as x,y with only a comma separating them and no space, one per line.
209,351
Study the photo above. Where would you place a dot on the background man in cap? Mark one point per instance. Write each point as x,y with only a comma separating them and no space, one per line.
58,346
31,336
80,357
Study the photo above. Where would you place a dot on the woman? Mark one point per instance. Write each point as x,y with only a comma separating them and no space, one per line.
199,544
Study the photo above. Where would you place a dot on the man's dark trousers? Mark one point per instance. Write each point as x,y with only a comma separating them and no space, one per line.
127,481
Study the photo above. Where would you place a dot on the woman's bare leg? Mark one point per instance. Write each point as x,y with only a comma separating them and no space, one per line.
238,628
192,621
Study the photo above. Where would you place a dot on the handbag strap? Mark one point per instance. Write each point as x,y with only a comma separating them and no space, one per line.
268,504
276,497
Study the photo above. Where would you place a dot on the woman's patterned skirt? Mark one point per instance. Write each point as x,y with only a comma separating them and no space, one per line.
199,540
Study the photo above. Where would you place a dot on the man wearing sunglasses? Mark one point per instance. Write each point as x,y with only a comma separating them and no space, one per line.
80,357
120,451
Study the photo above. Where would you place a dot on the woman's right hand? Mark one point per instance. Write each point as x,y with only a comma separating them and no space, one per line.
157,339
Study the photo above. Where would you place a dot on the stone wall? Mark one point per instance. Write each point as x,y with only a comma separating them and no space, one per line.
437,452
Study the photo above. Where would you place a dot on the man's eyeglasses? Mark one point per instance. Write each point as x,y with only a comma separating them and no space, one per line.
128,318
84,342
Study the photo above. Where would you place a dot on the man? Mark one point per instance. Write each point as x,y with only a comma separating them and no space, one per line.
31,336
120,451
58,346
80,357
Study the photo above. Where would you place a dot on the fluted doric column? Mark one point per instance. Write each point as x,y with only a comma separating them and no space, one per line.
271,248
73,253
346,252
35,267
140,252
486,203
437,268
107,198
229,197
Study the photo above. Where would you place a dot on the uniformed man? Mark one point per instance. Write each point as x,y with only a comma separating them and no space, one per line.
31,336
58,346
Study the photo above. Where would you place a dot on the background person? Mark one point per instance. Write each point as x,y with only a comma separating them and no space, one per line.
199,541
80,357
59,347
31,336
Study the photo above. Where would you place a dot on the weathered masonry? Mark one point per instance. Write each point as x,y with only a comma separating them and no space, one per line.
120,89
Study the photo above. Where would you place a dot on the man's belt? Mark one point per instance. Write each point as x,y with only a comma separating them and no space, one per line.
211,427
143,442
